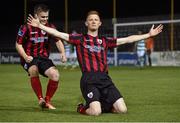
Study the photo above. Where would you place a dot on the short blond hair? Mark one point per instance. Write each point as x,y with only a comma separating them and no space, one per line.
92,12
40,8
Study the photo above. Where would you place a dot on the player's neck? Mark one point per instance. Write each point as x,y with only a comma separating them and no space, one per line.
93,33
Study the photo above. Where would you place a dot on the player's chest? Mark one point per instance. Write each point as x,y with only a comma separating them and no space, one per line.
93,46
38,36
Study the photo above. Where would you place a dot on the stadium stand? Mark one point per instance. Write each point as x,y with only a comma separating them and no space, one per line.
162,43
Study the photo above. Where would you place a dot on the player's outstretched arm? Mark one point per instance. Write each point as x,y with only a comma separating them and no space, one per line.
35,23
133,38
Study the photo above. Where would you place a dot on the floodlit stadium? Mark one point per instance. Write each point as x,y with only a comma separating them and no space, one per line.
151,90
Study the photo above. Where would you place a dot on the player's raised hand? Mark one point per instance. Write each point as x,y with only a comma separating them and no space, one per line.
155,31
33,21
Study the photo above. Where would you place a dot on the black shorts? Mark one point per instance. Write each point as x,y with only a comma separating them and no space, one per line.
41,62
98,86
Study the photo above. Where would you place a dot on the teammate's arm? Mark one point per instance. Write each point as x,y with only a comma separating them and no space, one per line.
35,22
134,38
22,53
61,49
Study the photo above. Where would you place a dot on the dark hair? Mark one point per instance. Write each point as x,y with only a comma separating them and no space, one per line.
92,12
40,8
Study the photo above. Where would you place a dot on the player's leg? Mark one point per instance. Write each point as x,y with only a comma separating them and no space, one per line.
91,95
142,61
48,69
94,108
35,81
141,58
149,57
119,106
52,86
36,84
149,60
138,58
116,100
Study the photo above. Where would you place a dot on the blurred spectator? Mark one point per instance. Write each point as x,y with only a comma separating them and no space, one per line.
150,49
71,55
141,51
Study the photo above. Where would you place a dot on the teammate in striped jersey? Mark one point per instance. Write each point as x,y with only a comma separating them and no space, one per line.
97,87
33,45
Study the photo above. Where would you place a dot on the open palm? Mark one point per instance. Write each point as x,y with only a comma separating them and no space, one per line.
156,31
33,21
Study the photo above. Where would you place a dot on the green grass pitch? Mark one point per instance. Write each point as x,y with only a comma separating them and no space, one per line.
151,94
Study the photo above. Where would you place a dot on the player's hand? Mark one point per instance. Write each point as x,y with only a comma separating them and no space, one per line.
63,57
28,59
33,21
156,31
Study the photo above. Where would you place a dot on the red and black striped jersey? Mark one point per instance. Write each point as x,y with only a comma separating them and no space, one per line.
35,41
92,51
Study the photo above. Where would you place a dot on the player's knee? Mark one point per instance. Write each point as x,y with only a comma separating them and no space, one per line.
54,75
96,111
33,71
95,108
122,110
120,106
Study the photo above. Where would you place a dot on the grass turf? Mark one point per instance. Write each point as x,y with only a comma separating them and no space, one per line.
151,94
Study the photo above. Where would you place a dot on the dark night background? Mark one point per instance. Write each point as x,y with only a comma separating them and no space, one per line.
12,12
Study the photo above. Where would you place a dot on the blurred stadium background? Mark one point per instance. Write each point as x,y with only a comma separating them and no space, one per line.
151,94
68,16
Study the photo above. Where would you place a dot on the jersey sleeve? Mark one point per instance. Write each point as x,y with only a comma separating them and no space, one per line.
111,42
75,39
21,34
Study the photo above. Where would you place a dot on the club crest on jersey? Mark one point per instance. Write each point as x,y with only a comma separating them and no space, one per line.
43,32
25,66
20,33
99,41
90,94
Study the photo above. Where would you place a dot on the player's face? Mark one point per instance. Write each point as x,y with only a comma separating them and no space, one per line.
43,17
93,22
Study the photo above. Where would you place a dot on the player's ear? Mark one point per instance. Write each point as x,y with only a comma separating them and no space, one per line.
86,23
100,23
